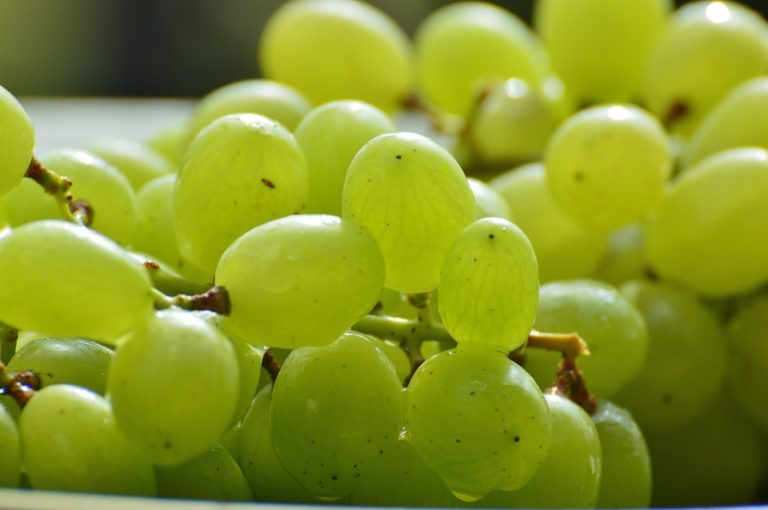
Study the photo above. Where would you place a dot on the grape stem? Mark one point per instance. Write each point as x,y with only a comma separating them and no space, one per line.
271,365
77,211
215,300
8,338
20,386
169,283
571,345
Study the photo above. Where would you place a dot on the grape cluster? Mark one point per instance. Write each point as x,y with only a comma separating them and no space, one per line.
299,295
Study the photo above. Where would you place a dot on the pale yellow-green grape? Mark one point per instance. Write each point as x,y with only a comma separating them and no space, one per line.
570,475
276,101
716,461
338,49
239,172
607,166
512,123
413,197
624,256
10,460
709,232
706,49
395,304
171,142
462,48
336,410
612,327
135,160
174,385
564,249
256,455
735,121
105,189
70,281
686,361
330,136
626,477
213,475
17,139
600,48
300,280
490,203
489,286
478,420
395,354
70,442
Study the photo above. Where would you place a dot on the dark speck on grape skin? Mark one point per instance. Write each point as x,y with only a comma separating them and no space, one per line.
399,156
269,184
490,236
578,176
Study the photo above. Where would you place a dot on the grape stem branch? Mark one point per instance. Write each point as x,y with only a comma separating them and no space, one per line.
58,186
215,300
20,386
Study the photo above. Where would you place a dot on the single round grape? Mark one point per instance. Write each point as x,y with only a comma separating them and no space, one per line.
86,287
17,139
300,280
706,232
413,197
396,354
135,160
265,178
337,49
490,203
174,385
322,434
478,420
71,443
330,136
607,166
624,257
612,327
489,286
10,460
171,142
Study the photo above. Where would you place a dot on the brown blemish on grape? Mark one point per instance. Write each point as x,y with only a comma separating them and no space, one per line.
677,111
398,157
269,184
151,264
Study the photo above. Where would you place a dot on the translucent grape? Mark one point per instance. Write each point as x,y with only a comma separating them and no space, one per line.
607,166
686,359
490,203
478,420
135,160
71,443
300,280
612,327
707,233
564,248
624,258
10,461
489,286
337,49
413,197
174,385
105,189
321,433
265,178
171,142
17,139
86,287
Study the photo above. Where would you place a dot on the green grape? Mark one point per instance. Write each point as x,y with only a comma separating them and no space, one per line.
70,443
10,460
612,327
624,257
338,49
86,286
478,420
94,180
17,139
571,473
270,99
564,249
300,280
135,160
73,361
607,166
626,476
462,48
396,354
735,121
212,475
715,461
330,136
706,49
600,48
266,178
266,476
489,286
402,479
171,142
707,232
686,360
321,433
490,203
413,197
174,386
230,440
395,304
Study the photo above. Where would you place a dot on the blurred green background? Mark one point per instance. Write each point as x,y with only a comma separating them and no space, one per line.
153,47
